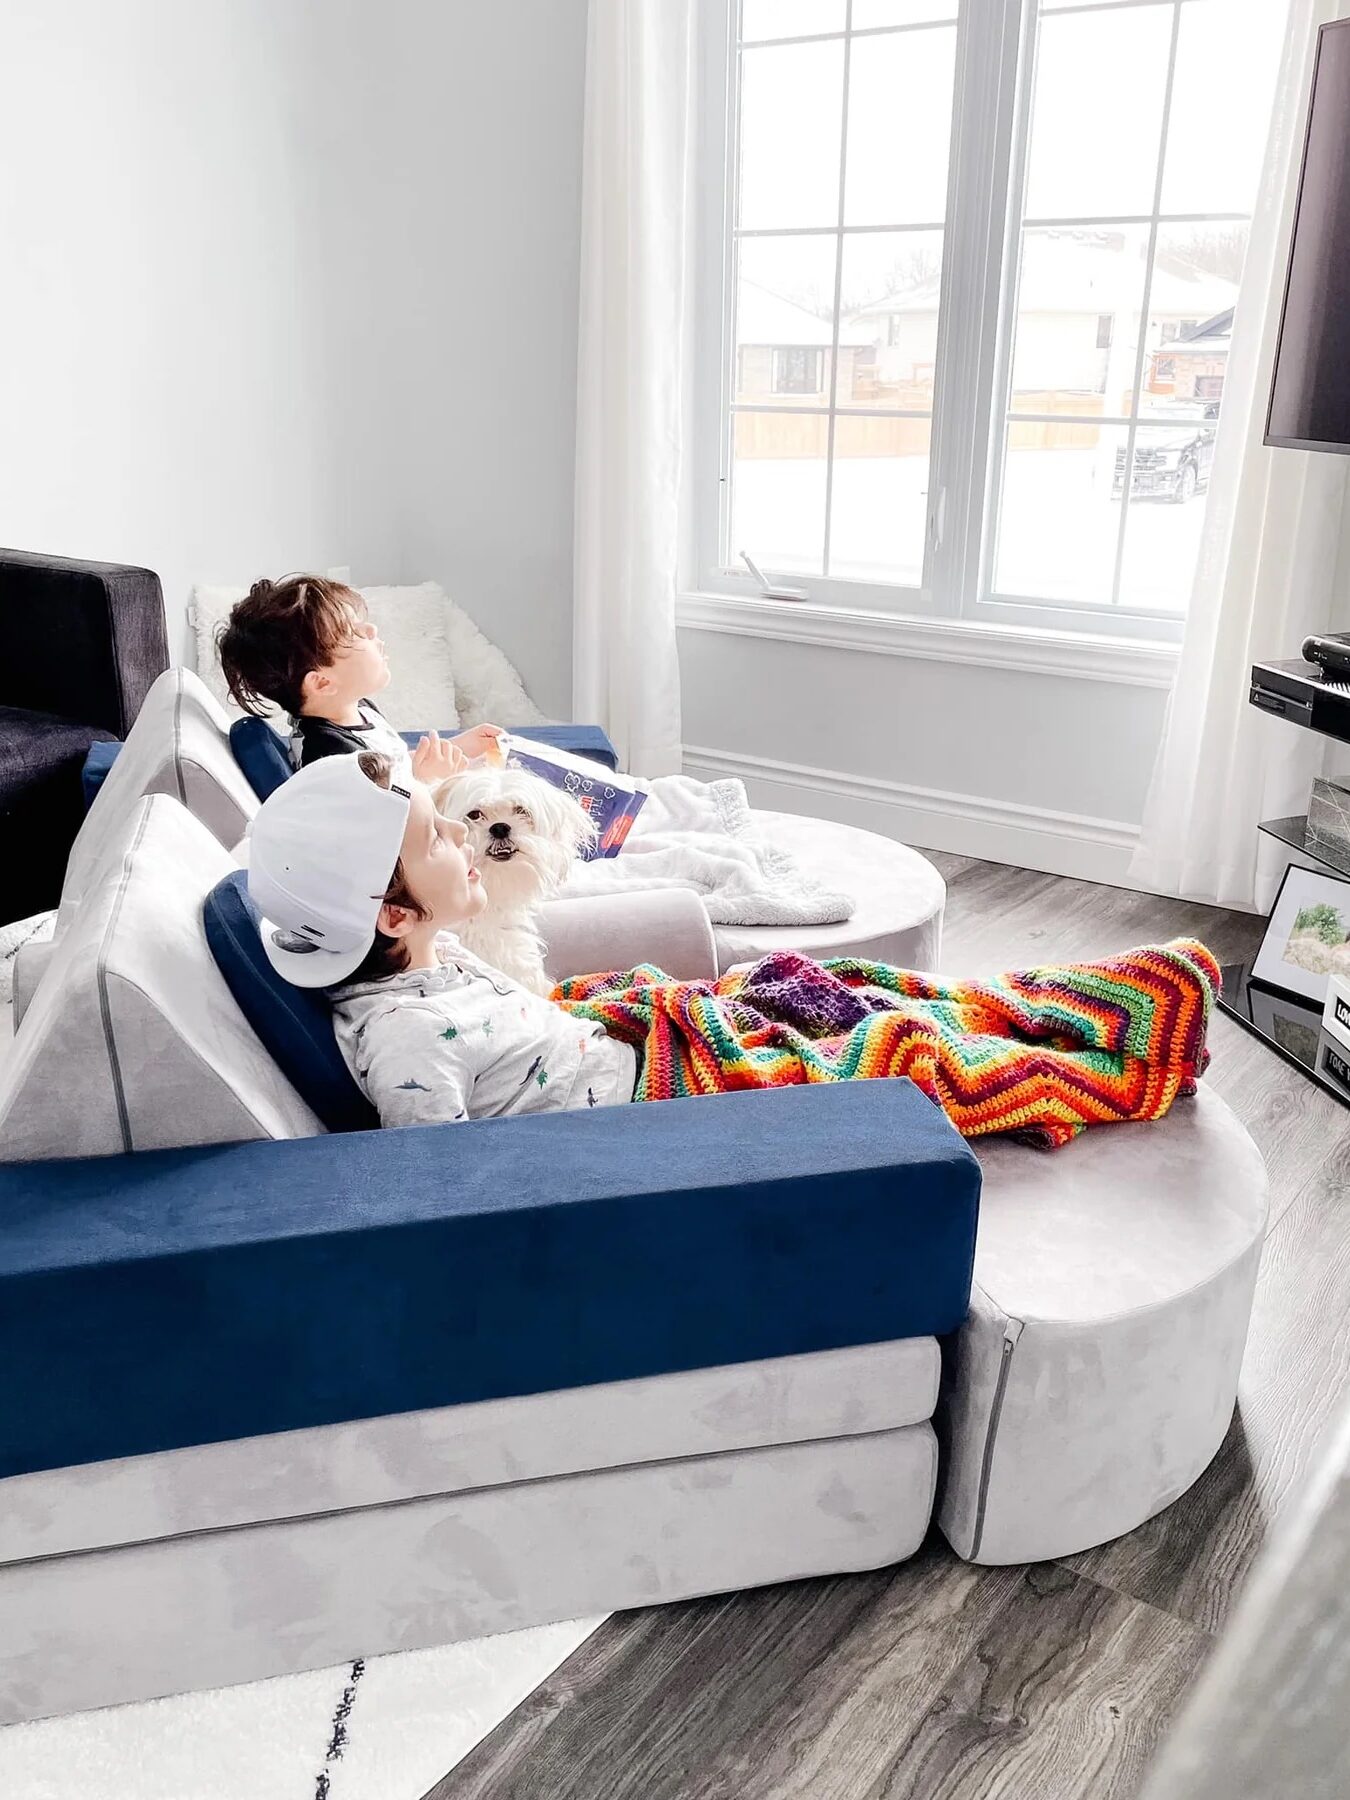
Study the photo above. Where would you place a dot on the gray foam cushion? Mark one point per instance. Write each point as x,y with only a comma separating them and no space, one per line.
133,1041
180,746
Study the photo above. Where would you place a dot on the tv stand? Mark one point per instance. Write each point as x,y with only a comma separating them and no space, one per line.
1299,692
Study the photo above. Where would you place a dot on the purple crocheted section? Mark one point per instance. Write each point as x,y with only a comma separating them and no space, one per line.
793,990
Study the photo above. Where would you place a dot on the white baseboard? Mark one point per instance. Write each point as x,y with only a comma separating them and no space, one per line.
1030,837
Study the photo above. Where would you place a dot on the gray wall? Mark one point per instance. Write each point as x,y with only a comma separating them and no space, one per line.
1035,768
292,284
174,319
483,295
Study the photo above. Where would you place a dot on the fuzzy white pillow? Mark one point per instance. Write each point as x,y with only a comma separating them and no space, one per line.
486,683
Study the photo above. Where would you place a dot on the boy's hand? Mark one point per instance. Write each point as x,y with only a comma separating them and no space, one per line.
481,740
436,758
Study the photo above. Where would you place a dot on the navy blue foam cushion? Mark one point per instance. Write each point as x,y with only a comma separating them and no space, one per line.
582,740
262,756
295,1025
178,1297
97,766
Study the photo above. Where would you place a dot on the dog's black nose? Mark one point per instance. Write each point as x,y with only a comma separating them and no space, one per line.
500,830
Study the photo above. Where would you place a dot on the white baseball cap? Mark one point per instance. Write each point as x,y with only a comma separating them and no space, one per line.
321,853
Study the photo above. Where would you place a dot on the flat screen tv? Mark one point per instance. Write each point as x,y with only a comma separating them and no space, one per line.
1310,393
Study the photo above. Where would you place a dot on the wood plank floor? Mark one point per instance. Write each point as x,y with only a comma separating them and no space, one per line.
935,1680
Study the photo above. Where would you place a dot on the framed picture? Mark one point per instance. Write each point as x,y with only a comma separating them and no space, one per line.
1307,935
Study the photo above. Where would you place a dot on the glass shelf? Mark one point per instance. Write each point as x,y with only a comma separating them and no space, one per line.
1292,1028
1294,833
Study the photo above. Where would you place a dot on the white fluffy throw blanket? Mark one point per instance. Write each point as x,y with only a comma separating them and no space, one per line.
13,937
703,835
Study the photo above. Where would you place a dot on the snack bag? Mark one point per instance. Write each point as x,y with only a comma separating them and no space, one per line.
613,801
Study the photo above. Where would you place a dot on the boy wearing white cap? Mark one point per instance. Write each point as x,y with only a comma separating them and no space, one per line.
362,884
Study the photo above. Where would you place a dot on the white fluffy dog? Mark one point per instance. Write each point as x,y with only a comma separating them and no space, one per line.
525,836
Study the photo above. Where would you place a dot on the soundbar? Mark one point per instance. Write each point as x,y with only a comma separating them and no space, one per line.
1305,694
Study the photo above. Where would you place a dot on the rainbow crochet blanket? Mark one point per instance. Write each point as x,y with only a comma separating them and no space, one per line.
1040,1052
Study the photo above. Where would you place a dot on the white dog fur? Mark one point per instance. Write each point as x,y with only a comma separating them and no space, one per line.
525,837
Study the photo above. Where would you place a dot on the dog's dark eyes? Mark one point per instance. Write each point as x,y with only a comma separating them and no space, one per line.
520,812
475,815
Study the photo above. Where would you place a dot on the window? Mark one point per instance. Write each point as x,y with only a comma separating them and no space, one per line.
949,240
796,371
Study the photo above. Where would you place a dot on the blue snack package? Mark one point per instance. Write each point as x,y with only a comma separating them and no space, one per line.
612,800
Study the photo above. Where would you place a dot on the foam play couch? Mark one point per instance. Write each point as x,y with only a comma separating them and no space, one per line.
284,1390
282,1395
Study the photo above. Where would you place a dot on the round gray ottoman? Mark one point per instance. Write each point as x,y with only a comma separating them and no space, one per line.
900,897
1095,1376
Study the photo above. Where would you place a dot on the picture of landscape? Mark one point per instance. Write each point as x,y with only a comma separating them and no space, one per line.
1320,940
1307,936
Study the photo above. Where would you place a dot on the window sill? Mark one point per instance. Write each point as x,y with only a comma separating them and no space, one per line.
1085,655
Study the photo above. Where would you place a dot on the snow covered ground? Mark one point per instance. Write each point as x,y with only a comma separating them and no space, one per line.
1057,541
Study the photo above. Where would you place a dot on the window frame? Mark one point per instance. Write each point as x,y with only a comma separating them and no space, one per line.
992,93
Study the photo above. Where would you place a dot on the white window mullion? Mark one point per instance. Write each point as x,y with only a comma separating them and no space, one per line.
823,231
984,164
1097,224
711,420
1141,348
838,291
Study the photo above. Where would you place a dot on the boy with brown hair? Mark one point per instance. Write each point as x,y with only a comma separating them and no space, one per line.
306,645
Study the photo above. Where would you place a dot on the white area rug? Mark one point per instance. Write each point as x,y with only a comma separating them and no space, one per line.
386,1729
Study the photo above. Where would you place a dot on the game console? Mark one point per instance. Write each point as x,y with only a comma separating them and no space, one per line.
1304,693
1330,651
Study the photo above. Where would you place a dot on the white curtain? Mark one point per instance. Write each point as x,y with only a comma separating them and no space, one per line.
1273,567
636,234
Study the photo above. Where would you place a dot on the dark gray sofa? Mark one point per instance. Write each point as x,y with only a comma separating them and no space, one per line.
82,643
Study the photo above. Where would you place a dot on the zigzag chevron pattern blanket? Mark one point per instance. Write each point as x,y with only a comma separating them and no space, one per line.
1041,1052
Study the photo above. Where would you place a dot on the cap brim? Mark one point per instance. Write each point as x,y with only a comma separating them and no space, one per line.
308,967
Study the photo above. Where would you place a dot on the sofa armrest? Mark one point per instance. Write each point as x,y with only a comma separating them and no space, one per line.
83,640
177,1297
665,926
